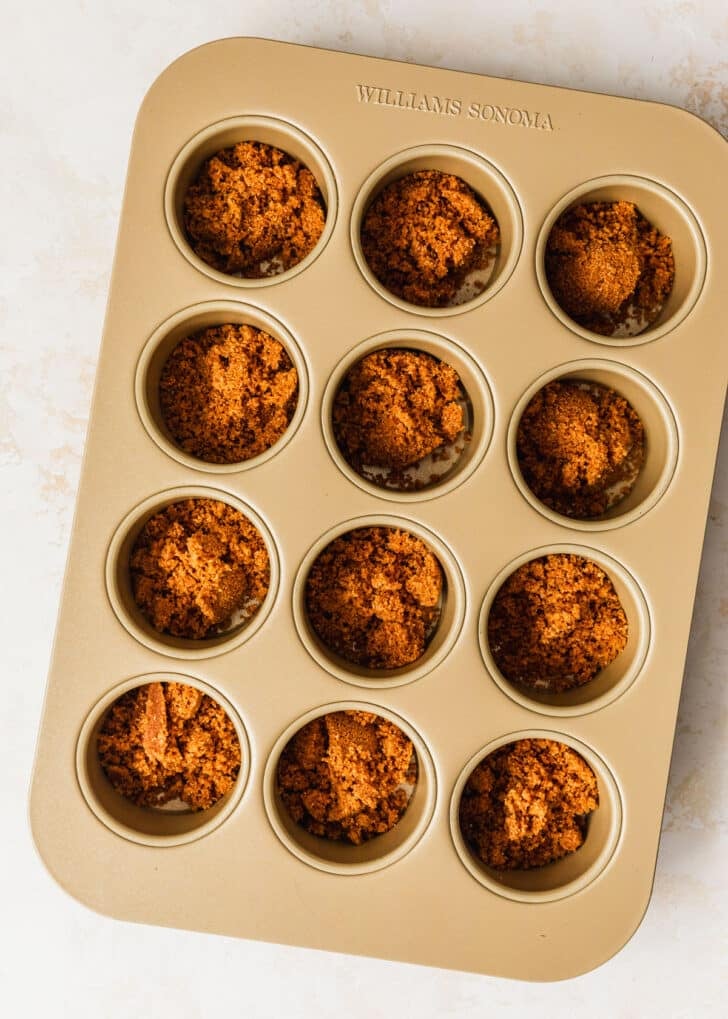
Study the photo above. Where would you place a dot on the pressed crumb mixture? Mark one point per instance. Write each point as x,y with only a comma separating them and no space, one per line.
169,741
196,565
527,803
253,211
342,776
394,407
424,233
372,596
605,263
580,447
228,393
555,623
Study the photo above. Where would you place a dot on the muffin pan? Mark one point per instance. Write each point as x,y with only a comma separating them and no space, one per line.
418,895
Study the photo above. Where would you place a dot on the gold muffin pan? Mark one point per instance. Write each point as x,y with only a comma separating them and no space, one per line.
416,893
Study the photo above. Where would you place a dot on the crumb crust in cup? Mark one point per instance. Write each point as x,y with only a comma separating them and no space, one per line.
658,458
396,408
450,464
253,211
611,681
228,393
167,741
373,597
214,316
338,856
580,447
609,268
555,623
425,234
347,776
198,567
449,612
527,804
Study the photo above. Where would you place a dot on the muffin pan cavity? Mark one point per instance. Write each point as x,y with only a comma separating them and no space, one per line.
610,682
570,874
280,630
337,856
171,825
165,339
451,463
672,217
661,441
222,135
491,188
439,639
119,582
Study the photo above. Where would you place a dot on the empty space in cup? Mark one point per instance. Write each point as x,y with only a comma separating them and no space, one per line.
246,620
443,631
562,877
336,855
162,344
489,185
175,822
223,135
612,680
452,462
665,211
660,440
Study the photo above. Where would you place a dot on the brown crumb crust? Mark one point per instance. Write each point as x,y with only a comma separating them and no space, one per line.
341,776
372,596
169,741
228,393
577,441
606,263
424,233
527,803
195,565
555,623
395,407
253,211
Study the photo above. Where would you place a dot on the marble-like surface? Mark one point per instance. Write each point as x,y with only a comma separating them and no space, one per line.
73,73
